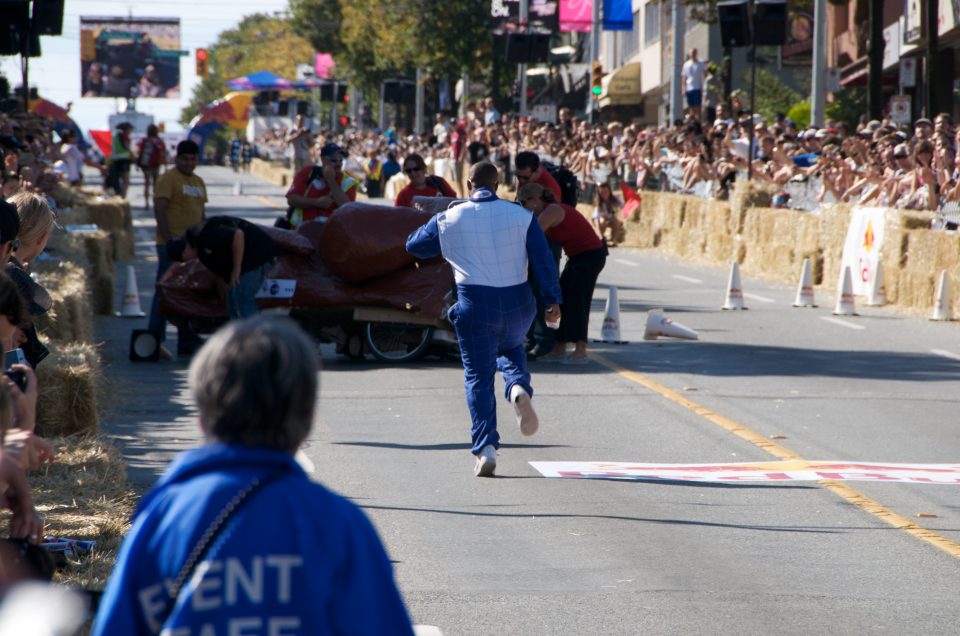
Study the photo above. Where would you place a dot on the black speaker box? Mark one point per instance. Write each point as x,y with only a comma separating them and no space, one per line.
734,23
303,108
527,48
14,24
283,108
395,92
48,17
770,22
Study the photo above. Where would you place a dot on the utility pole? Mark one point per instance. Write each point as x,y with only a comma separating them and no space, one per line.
817,101
676,105
524,16
875,60
933,52
418,124
595,25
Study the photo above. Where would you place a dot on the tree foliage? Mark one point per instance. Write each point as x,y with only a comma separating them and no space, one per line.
259,43
371,40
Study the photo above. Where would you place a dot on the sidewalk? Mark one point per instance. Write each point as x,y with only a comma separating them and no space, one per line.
147,407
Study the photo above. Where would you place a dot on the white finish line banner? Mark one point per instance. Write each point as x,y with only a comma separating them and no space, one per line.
756,471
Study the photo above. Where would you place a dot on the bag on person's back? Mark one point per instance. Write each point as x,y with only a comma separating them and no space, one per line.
151,154
569,186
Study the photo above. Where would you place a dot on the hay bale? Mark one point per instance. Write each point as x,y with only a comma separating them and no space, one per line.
99,251
67,196
110,214
123,245
71,317
67,383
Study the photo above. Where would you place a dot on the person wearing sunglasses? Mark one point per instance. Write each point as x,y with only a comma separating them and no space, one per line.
317,191
420,184
529,170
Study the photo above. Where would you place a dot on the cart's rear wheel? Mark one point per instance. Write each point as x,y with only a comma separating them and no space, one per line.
397,342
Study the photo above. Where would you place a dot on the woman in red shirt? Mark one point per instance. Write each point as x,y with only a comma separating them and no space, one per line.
420,184
586,255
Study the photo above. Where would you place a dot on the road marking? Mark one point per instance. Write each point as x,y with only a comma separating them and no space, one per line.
945,354
842,323
305,462
845,492
689,279
623,261
762,299
272,204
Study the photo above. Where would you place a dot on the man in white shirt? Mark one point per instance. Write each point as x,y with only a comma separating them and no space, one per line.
693,73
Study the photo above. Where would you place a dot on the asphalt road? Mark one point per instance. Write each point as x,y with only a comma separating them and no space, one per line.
521,554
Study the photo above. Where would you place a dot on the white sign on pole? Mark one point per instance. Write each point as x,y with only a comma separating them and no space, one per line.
908,72
900,109
833,80
547,113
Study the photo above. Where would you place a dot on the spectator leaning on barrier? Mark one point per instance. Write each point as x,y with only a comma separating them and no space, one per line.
243,506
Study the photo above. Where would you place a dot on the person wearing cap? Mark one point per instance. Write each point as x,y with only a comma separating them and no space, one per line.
923,129
236,251
317,191
118,163
179,199
37,221
586,255
491,244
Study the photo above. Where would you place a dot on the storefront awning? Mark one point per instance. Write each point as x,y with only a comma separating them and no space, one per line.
622,87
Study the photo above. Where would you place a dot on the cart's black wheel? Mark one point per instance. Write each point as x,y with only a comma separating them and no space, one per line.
354,347
397,342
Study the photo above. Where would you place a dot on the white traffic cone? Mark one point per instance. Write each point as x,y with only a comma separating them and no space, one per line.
805,288
941,306
660,325
237,188
845,305
130,308
610,331
734,290
876,290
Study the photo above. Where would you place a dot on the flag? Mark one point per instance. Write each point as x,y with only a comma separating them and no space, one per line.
576,15
631,200
617,15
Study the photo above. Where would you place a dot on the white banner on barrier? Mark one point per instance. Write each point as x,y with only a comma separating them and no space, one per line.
793,470
861,250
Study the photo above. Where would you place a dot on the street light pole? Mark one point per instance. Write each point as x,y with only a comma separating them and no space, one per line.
817,101
524,16
676,110
594,56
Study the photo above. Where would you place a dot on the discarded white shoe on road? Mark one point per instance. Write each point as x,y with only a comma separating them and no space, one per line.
734,289
131,297
610,330
486,462
845,306
660,325
805,288
876,290
527,418
941,305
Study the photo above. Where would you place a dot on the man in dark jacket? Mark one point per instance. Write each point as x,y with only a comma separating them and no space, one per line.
235,250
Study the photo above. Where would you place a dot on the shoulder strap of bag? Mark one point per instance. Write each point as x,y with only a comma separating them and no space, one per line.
210,535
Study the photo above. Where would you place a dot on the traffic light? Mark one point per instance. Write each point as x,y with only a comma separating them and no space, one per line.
203,67
596,79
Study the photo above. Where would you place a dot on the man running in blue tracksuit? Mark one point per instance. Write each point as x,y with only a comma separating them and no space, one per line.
490,243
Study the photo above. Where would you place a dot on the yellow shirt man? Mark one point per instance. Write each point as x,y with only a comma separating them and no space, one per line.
180,197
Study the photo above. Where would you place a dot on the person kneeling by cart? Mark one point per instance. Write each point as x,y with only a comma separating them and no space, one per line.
236,251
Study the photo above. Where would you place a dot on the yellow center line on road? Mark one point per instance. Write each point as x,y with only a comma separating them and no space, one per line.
842,490
272,204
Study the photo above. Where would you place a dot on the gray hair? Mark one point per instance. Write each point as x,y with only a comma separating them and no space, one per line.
255,383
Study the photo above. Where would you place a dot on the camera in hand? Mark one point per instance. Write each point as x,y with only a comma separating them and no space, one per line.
19,378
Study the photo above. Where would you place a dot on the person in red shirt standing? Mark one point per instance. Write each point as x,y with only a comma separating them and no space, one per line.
458,150
317,191
529,170
420,184
586,255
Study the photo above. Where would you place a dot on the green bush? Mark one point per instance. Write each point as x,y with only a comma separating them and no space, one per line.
800,113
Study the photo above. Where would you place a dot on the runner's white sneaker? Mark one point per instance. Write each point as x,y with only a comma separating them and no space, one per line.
523,406
486,462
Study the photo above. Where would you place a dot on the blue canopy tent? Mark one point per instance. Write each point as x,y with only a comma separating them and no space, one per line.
260,81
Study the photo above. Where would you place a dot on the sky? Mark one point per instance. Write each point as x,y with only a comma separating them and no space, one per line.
56,73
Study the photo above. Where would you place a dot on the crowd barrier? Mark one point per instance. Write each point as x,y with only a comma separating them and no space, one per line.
772,242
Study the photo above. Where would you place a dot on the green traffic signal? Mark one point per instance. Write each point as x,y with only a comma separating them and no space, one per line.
597,90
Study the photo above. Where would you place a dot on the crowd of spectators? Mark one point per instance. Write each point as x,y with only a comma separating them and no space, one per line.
877,162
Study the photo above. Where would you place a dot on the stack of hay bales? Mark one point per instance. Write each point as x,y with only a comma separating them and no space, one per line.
80,282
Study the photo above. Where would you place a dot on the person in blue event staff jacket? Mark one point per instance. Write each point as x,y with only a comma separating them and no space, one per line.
287,556
490,244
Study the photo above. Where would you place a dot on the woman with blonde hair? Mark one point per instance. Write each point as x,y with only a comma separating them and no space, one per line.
37,221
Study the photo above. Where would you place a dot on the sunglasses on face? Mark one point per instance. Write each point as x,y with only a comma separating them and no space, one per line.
412,170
